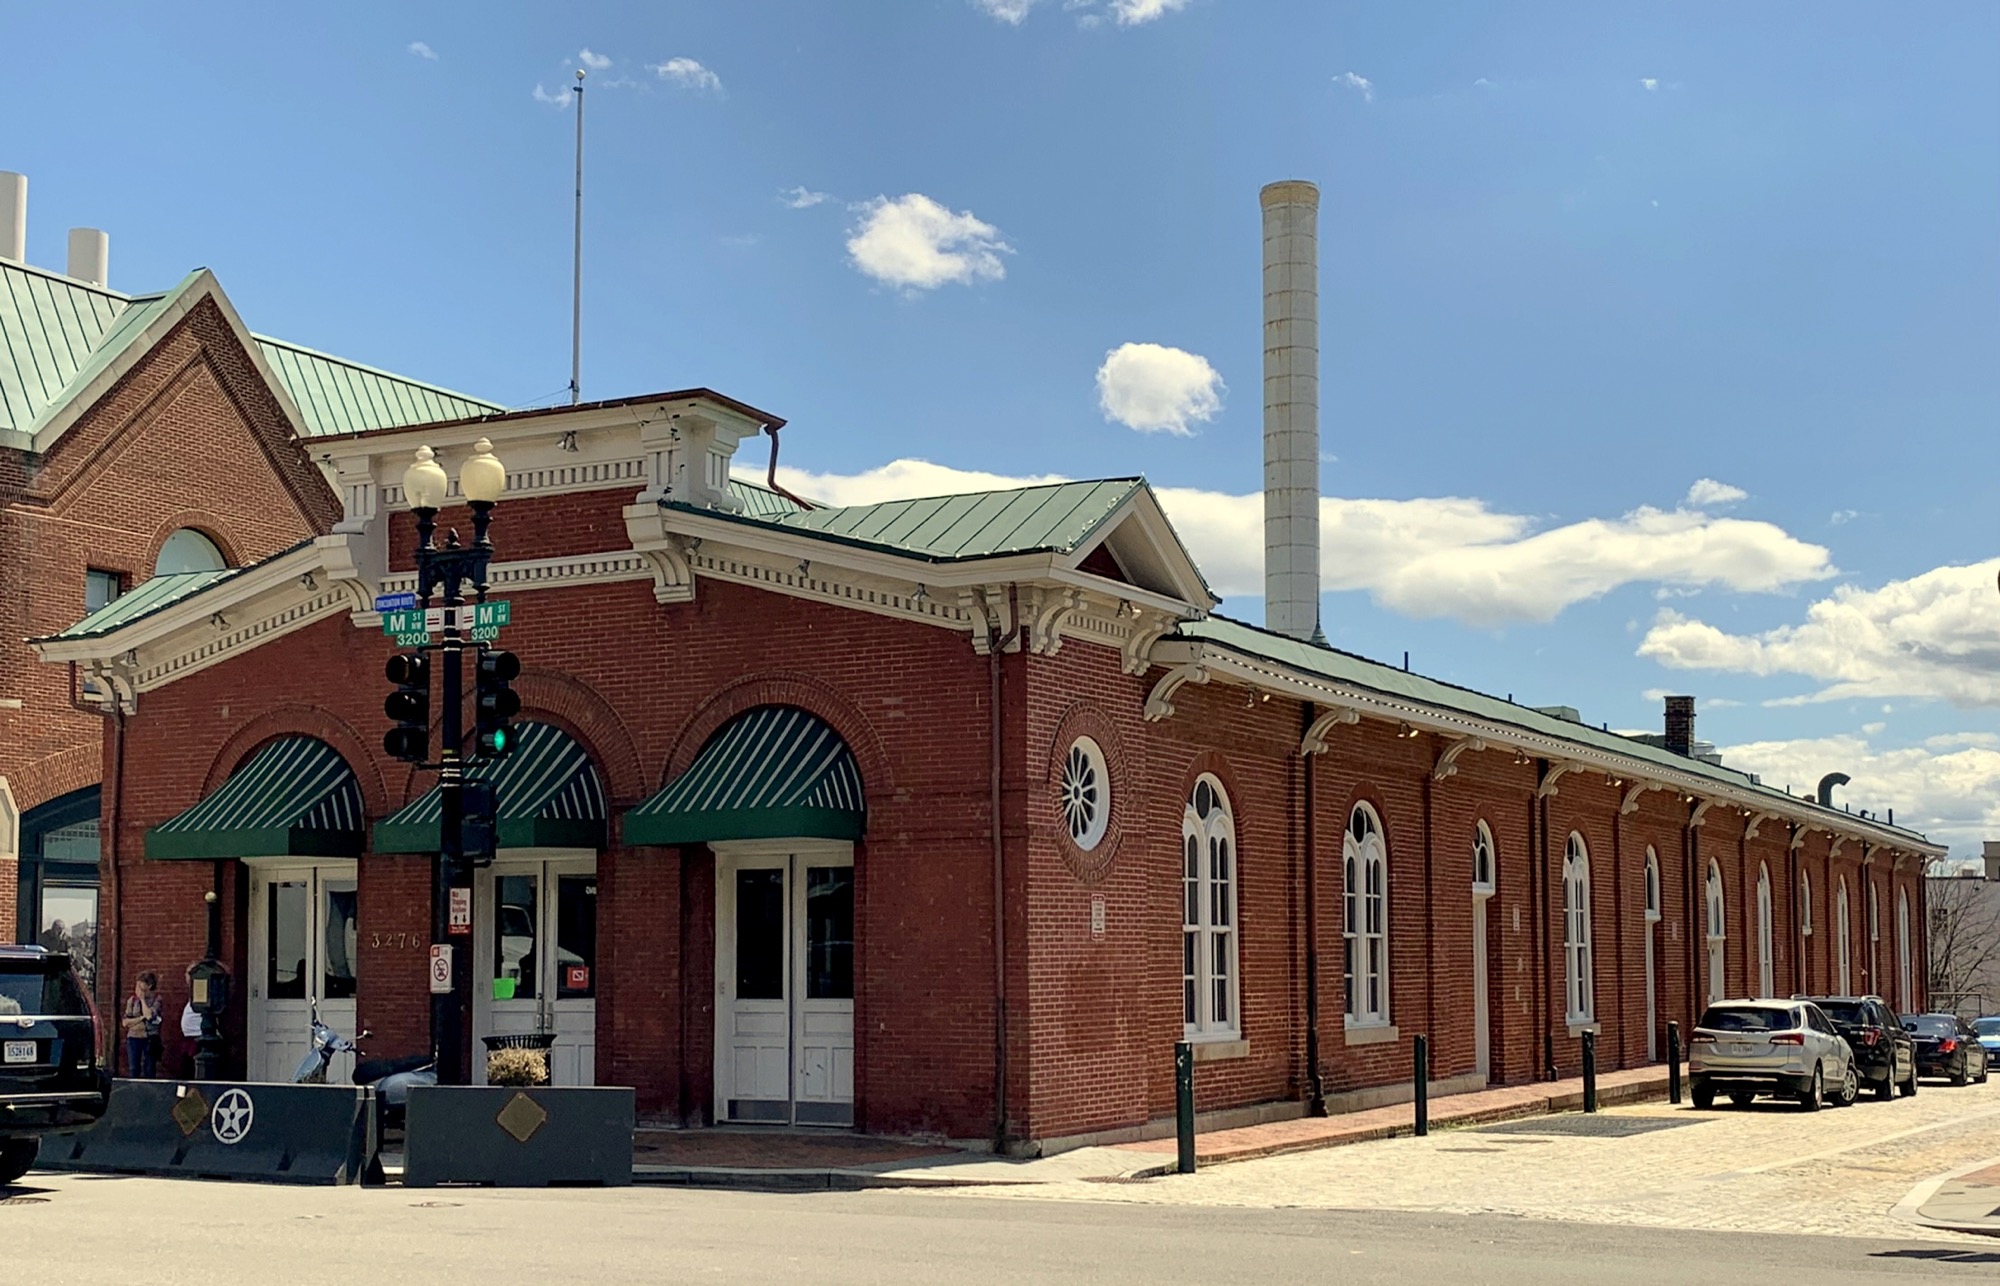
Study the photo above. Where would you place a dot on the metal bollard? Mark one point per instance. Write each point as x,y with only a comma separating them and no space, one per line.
1184,1104
1673,1062
1421,1048
1590,1071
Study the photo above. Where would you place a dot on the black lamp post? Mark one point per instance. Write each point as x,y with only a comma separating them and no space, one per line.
450,569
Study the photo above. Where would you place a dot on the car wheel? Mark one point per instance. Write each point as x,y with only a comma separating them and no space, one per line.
1850,1089
1908,1088
1983,1069
16,1155
1814,1097
1885,1088
1703,1096
1743,1100
1959,1077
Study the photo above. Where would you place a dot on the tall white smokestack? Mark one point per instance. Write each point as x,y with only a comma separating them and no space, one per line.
90,256
1291,408
13,216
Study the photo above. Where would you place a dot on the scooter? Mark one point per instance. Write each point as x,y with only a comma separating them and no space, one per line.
324,1043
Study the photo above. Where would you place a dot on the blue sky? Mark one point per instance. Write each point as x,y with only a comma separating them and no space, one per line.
1574,259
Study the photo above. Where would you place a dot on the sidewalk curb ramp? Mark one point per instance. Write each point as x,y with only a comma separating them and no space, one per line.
267,1133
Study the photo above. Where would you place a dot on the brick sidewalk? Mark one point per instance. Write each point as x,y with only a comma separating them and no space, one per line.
1305,1133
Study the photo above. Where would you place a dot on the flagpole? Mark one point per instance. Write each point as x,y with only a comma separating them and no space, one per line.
576,263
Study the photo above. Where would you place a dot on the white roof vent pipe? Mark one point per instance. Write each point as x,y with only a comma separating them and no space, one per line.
1291,409
90,255
13,216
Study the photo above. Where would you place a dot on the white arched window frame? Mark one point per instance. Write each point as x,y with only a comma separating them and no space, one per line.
1766,956
1482,860
1843,976
1906,991
1577,969
10,823
1209,991
1365,919
1652,885
1805,904
1874,939
1718,980
188,550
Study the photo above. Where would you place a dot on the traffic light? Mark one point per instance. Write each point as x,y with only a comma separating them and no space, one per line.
409,706
479,827
494,703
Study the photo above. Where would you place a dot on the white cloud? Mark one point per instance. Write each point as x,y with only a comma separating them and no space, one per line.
558,100
1707,491
1132,13
915,243
801,198
1936,635
1362,83
1154,388
596,62
1011,12
1841,517
1483,83
688,74
1651,83
1430,557
1949,790
422,50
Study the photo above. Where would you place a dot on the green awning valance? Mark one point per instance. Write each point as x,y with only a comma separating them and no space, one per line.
775,772
548,793
294,798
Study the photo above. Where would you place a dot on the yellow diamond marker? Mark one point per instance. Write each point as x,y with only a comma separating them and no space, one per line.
190,1111
521,1117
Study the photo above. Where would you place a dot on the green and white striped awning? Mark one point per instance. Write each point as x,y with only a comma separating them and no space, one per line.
296,797
548,793
775,772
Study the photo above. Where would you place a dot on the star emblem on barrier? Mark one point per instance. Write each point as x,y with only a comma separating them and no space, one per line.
232,1116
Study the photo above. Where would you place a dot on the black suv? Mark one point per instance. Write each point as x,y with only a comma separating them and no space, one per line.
1884,1056
1947,1046
50,1078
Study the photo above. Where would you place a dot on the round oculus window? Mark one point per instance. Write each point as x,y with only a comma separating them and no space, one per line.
1086,794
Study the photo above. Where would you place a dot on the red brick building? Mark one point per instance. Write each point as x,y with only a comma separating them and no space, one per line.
851,814
139,434
942,817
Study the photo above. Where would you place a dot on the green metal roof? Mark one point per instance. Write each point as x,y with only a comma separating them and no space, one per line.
773,772
548,794
1057,517
152,596
1346,668
294,798
57,335
759,501
338,396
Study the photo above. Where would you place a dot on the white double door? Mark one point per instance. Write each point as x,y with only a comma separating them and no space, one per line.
784,980
535,958
303,946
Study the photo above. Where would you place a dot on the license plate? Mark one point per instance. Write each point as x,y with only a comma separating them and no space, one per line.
19,1051
1739,1049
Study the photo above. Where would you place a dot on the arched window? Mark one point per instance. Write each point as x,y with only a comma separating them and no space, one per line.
1582,989
1365,923
1652,885
1805,904
1906,990
1766,982
1842,977
1482,859
187,550
1717,978
1208,919
1874,940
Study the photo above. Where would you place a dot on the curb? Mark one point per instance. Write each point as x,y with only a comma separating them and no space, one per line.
1910,1208
798,1180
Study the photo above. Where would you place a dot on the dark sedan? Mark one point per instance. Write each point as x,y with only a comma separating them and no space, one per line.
1946,1046
1884,1057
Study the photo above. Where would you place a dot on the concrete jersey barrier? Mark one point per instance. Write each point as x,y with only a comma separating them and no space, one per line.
273,1133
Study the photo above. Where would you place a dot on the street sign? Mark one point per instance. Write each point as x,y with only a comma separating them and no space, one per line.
461,911
395,602
440,968
410,621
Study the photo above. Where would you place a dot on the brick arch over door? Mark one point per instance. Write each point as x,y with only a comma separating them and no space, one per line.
548,696
53,776
821,700
306,721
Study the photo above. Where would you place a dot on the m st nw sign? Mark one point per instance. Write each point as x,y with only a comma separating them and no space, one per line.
413,626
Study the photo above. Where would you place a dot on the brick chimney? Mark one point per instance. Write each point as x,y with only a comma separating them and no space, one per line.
1680,725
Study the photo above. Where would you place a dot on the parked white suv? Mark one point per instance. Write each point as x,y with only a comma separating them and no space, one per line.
1783,1048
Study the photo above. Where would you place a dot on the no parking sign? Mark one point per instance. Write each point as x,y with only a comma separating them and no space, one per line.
440,968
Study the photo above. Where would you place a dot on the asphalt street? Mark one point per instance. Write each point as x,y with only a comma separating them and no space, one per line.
165,1232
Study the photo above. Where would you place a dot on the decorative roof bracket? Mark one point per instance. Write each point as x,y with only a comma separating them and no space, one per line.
1160,704
1314,742
1631,803
1447,764
1050,606
1557,771
1750,831
1700,813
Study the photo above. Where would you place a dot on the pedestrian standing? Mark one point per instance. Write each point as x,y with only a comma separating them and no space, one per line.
142,1027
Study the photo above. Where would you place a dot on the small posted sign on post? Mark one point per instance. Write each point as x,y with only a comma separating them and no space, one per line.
440,968
461,911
